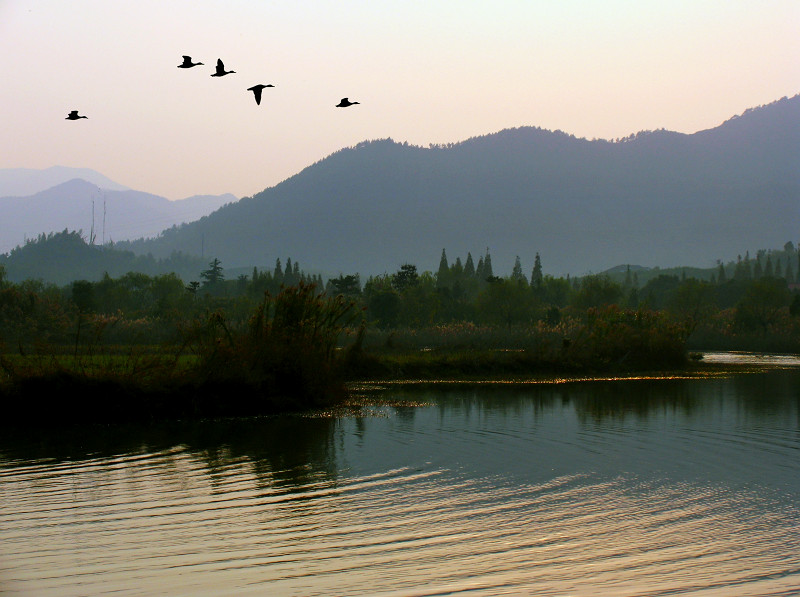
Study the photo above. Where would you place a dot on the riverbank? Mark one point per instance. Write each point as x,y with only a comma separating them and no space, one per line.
151,389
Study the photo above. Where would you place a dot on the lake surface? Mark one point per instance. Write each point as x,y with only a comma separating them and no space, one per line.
665,487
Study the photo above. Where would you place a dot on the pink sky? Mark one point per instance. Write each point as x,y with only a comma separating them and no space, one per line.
424,72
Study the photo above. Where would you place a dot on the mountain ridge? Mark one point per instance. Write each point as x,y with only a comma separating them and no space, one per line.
658,197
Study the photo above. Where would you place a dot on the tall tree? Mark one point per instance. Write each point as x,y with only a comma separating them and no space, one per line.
212,276
516,271
487,266
469,266
536,274
443,274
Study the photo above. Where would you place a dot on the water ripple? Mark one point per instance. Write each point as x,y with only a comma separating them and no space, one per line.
530,501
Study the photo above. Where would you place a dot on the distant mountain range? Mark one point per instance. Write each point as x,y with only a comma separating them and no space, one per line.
657,197
97,206
21,182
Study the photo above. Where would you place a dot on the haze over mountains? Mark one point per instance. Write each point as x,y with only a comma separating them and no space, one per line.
82,199
21,182
656,198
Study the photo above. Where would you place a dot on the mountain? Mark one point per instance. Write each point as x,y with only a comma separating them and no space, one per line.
657,197
21,182
109,215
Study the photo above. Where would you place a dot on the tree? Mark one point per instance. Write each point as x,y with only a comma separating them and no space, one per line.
213,276
487,266
349,285
479,269
536,274
691,302
596,291
768,272
469,266
443,274
406,277
83,296
382,301
762,302
516,272
505,302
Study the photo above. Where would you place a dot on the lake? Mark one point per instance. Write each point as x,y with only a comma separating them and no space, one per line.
638,487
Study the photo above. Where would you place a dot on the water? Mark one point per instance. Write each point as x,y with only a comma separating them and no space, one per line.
667,487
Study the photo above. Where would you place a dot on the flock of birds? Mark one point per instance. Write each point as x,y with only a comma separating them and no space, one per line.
221,72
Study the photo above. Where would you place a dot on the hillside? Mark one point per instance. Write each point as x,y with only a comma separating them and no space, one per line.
657,197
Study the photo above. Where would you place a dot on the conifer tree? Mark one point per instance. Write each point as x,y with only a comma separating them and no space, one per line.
536,273
768,272
277,274
516,272
443,274
487,266
213,275
469,266
457,271
479,269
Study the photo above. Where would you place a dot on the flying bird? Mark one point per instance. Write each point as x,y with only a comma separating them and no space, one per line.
74,116
187,63
221,72
257,89
345,102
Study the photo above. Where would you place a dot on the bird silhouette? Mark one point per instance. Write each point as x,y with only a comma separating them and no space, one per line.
221,72
74,116
257,89
187,63
345,102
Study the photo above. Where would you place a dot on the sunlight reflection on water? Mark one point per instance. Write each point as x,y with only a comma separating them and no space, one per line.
752,358
611,488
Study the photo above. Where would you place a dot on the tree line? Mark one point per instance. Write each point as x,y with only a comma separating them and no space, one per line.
748,298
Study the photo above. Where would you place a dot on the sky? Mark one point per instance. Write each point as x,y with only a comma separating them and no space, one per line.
432,71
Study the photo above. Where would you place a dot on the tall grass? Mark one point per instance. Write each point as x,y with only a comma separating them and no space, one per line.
283,358
286,353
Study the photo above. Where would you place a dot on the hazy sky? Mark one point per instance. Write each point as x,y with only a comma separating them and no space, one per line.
431,71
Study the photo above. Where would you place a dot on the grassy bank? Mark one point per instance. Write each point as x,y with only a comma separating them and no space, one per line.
289,356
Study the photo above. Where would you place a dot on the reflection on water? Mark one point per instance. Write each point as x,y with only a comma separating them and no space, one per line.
752,358
594,488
